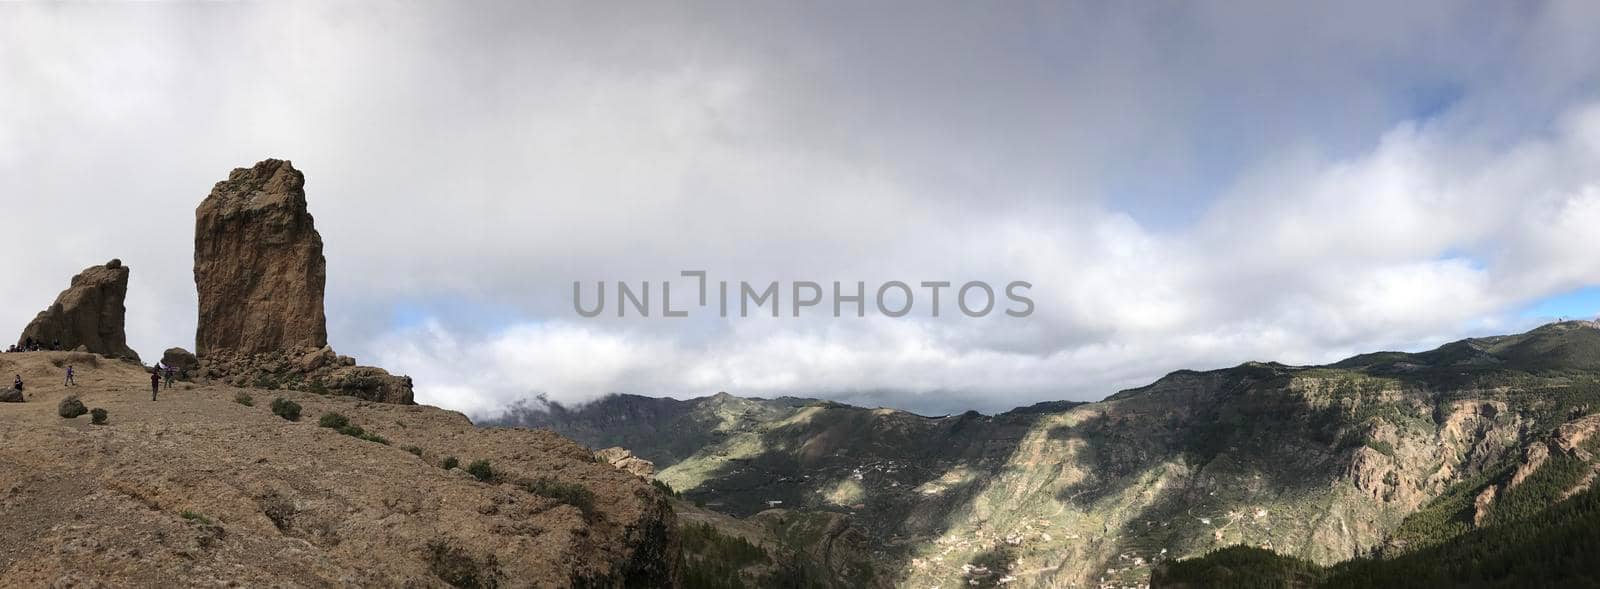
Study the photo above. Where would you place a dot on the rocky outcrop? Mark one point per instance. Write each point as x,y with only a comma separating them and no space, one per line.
258,264
623,459
260,273
185,363
88,314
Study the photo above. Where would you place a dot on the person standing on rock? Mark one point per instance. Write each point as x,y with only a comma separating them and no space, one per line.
17,384
70,382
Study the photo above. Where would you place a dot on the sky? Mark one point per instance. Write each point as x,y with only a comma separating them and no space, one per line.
1184,184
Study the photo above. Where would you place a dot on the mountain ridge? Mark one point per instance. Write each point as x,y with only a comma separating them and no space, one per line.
1324,462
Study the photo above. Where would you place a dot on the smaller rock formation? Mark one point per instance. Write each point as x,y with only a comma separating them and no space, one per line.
11,395
186,364
88,315
623,459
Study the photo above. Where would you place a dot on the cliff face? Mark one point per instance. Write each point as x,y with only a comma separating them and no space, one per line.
89,313
258,264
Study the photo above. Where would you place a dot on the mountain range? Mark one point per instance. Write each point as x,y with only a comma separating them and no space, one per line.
1375,459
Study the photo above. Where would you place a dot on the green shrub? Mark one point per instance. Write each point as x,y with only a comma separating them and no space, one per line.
333,420
71,407
572,494
665,488
458,569
195,517
286,409
414,450
449,462
342,425
97,416
479,469
266,381
244,398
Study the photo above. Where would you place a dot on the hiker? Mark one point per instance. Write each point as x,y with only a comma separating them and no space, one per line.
170,375
70,382
155,383
17,384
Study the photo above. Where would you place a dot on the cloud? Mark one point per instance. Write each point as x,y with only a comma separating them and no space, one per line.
1190,185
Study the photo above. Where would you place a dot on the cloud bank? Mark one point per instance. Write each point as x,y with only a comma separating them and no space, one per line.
1186,185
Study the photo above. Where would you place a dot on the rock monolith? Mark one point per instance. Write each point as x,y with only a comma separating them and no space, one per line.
258,264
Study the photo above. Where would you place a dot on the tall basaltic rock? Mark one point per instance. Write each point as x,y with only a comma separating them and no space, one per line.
258,264
260,273
90,313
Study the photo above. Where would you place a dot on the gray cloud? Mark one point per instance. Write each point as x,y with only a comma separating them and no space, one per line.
1186,184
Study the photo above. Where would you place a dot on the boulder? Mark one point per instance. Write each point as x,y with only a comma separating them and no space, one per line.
258,264
11,395
181,360
89,315
312,360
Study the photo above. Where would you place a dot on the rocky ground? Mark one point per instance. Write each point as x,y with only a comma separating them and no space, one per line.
199,489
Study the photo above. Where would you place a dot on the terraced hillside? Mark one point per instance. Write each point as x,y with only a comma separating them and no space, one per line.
1323,463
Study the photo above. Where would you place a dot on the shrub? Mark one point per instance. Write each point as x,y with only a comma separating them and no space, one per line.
278,509
333,420
71,407
286,409
458,569
266,381
479,469
449,462
572,494
342,425
414,450
197,518
244,398
97,416
665,488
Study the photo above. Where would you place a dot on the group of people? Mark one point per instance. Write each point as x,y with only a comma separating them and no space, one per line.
31,345
158,375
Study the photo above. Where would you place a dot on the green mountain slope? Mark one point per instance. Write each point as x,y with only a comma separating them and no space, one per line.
1379,452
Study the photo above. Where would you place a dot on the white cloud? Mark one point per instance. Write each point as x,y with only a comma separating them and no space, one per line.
1184,189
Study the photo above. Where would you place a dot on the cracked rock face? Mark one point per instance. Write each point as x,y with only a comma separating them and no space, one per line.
89,313
258,264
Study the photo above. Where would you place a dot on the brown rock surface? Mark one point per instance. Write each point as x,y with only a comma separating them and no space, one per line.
260,273
623,459
197,490
89,313
258,264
